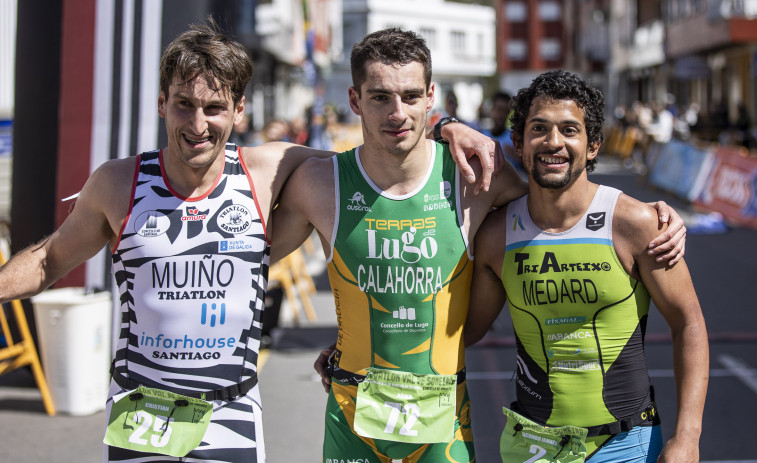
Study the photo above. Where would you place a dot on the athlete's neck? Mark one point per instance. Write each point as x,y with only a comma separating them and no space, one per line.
557,210
398,174
188,181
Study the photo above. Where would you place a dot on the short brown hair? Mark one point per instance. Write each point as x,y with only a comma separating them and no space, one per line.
205,50
391,46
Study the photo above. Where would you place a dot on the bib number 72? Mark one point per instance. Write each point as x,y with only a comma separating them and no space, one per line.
411,410
161,429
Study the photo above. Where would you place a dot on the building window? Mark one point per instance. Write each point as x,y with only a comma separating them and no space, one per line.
429,35
549,11
516,12
550,49
516,50
458,41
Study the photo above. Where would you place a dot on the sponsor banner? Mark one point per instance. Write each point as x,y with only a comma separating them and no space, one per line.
731,188
681,169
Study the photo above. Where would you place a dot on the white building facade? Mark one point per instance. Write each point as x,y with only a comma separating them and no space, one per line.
461,38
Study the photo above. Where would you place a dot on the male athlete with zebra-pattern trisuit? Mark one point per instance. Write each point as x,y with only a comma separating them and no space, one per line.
188,228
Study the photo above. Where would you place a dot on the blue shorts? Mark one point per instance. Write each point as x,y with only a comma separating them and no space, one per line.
641,444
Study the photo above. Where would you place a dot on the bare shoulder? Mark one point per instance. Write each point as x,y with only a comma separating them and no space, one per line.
279,156
314,176
267,154
103,203
635,224
112,180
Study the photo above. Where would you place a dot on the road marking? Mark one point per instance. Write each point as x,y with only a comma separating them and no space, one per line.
741,370
749,373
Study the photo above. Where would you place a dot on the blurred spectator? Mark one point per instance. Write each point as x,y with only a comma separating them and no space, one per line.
499,115
242,133
691,115
298,130
661,128
642,114
275,130
450,104
450,109
743,126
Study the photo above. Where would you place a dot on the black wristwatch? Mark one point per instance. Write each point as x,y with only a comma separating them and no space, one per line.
438,127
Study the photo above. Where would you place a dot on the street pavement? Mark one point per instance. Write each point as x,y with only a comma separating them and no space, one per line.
722,267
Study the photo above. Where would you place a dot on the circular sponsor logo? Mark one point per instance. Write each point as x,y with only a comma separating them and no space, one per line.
151,223
235,219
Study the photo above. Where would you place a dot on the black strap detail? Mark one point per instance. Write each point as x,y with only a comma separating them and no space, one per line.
225,393
645,417
354,379
438,128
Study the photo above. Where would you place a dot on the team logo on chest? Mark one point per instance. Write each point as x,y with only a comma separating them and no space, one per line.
235,219
357,203
152,223
595,220
194,214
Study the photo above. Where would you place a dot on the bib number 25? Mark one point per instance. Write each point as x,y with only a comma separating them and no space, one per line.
161,429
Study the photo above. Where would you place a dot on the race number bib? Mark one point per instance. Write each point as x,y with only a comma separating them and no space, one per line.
406,407
157,421
524,441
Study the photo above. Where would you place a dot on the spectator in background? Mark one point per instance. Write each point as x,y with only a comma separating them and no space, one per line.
499,114
275,130
242,133
661,128
298,130
450,104
450,109
743,126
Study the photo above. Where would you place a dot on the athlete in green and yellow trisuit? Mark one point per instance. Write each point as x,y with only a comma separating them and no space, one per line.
399,266
394,217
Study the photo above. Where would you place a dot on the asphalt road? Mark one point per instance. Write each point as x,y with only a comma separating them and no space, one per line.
722,266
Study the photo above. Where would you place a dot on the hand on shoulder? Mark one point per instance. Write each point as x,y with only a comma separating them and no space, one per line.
635,224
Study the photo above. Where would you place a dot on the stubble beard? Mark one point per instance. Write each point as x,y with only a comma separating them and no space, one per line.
555,184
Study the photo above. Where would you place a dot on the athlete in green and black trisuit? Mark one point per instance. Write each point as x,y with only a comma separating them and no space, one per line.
572,262
579,322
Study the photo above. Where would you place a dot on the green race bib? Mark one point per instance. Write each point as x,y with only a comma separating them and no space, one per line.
406,407
157,421
524,441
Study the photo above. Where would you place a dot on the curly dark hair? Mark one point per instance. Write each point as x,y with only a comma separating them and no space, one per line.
389,46
562,85
205,50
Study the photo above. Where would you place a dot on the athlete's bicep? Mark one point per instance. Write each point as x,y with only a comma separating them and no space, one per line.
94,220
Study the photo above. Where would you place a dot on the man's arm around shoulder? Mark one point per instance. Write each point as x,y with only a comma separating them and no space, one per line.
673,293
307,201
271,164
96,219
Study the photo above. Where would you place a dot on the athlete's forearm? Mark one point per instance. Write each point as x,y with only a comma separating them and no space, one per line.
26,274
691,365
